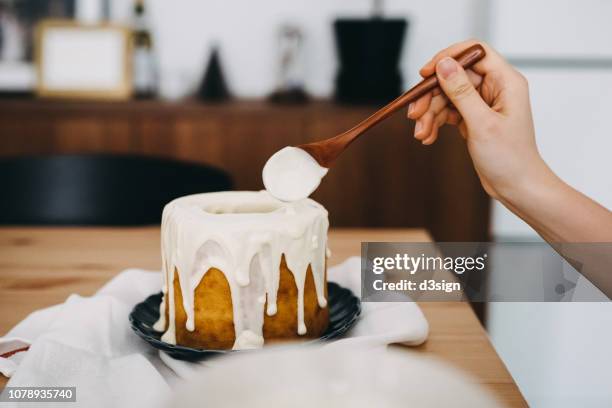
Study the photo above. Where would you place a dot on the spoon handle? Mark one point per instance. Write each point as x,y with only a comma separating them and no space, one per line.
326,151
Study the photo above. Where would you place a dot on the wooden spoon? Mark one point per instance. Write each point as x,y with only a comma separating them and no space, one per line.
325,152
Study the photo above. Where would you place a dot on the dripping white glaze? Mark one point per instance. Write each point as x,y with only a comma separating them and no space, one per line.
244,235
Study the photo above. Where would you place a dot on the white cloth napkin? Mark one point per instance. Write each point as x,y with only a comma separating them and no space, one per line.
87,342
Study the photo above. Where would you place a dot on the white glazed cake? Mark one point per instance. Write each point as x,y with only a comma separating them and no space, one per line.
241,268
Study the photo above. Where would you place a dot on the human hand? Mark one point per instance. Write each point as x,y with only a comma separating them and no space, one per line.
489,103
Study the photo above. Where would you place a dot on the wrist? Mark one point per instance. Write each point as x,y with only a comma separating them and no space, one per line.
537,181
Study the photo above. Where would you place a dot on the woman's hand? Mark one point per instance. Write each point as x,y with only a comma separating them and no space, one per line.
490,105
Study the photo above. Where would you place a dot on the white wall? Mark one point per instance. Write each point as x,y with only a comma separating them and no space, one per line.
246,32
571,104
559,353
552,28
571,109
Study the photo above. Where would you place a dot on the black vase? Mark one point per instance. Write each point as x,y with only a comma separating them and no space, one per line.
213,87
369,51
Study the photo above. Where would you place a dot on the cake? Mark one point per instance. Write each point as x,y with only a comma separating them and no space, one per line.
242,268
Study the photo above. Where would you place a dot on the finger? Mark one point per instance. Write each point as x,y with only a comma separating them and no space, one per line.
423,126
430,66
460,91
492,60
433,136
441,118
452,116
475,78
418,108
439,102
439,121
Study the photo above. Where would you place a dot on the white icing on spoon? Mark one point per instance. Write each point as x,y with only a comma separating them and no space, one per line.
291,174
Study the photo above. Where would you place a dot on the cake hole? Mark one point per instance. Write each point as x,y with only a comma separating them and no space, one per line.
245,208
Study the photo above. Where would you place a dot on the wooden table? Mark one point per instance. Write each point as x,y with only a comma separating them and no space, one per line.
40,267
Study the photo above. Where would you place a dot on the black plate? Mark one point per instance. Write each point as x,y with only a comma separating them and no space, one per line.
344,309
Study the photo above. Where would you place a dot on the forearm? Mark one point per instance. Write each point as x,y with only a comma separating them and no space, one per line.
575,226
557,211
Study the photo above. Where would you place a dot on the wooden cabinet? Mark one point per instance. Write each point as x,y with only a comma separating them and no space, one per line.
386,179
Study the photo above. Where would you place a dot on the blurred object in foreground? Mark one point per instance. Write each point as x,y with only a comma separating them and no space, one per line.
331,377
144,65
369,51
290,86
98,189
213,87
81,61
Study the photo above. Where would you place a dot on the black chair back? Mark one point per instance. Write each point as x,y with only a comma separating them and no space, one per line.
98,189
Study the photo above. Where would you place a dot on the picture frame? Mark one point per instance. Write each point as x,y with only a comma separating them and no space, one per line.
77,61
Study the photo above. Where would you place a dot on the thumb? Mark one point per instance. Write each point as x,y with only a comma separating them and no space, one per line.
460,90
